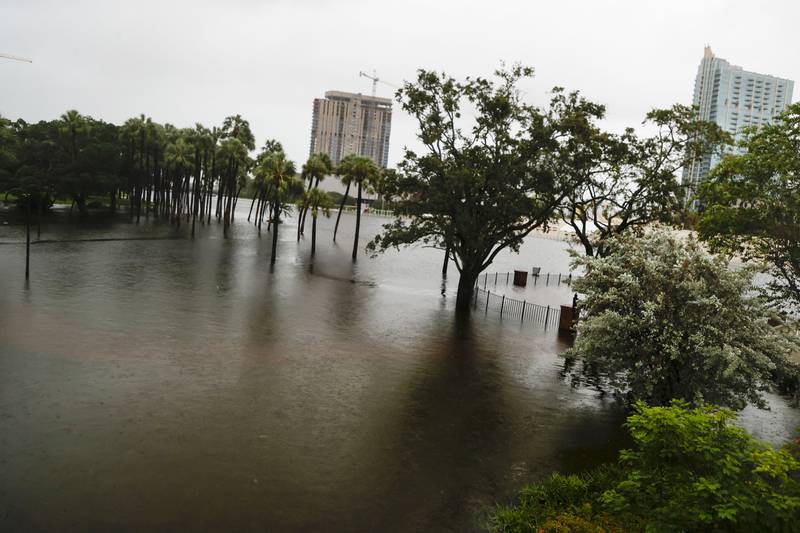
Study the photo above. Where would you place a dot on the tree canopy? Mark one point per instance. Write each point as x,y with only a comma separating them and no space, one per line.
626,182
751,205
489,173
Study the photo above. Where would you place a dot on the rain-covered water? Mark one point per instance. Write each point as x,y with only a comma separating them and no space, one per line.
179,384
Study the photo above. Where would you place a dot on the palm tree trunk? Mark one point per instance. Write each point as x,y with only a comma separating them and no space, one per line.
341,206
276,221
313,234
301,221
358,222
256,195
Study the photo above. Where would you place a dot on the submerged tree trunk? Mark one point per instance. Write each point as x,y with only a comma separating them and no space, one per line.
313,234
341,206
276,221
358,222
301,220
466,288
252,203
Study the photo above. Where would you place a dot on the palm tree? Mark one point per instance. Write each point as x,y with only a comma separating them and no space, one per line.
72,124
233,153
236,127
364,173
201,140
278,171
316,201
178,157
316,168
345,179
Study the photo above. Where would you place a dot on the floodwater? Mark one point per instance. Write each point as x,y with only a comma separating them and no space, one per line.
179,384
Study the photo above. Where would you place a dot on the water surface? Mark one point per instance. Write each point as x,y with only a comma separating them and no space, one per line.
182,384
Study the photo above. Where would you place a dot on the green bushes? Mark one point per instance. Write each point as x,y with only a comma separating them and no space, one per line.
691,469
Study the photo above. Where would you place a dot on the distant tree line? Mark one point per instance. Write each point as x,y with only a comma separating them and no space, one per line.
182,175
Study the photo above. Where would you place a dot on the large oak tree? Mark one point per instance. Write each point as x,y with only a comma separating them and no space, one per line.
489,172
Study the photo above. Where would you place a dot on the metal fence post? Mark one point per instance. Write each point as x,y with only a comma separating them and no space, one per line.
522,318
559,279
548,279
507,273
502,304
487,301
546,317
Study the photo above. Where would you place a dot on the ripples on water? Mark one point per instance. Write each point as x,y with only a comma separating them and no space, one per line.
181,384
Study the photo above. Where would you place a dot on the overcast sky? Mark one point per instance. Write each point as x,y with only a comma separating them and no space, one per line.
199,61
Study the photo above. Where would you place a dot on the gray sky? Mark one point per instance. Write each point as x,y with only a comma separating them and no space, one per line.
199,61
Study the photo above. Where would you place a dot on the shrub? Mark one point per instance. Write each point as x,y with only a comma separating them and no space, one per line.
690,469
664,320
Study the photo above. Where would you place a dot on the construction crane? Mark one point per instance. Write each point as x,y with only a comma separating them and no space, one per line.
375,79
16,58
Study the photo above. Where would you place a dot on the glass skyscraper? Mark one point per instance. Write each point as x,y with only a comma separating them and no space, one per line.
734,99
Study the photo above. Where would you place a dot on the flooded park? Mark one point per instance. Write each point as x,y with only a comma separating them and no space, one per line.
153,381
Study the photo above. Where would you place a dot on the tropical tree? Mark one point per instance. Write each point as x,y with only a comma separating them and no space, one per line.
364,173
72,126
278,171
316,201
263,183
751,205
663,320
179,160
200,138
314,170
8,152
489,174
345,179
233,154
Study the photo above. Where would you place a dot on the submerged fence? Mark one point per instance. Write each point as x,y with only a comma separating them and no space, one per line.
542,315
504,278
365,210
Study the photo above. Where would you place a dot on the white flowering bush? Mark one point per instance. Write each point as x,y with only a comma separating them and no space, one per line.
661,319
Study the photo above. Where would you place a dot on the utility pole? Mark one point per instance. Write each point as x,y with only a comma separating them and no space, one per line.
28,240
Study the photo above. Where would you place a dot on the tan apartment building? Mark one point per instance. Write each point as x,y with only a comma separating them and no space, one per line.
348,123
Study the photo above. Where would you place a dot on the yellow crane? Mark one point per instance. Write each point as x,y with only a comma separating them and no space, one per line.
16,58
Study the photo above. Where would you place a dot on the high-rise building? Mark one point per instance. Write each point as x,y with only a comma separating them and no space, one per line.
733,98
348,123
